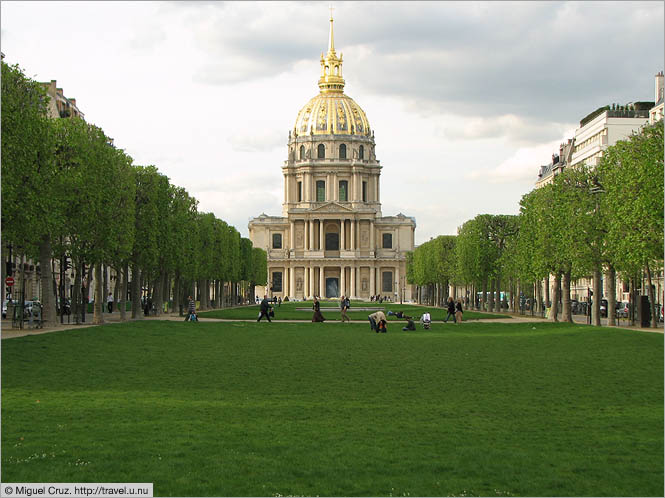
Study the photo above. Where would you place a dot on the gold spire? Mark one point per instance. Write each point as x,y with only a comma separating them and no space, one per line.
331,38
331,80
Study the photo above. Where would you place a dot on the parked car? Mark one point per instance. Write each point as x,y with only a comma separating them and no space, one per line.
603,307
622,309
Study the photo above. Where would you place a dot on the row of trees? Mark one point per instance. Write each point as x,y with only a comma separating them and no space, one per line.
586,222
67,191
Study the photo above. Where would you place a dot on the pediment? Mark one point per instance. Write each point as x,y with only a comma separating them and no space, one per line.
332,207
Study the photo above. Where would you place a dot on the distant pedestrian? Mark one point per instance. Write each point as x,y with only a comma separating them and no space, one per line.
265,309
191,311
109,302
451,310
317,317
458,312
148,306
344,306
279,302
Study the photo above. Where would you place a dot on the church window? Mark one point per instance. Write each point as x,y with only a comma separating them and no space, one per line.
321,151
387,281
276,240
361,152
302,152
320,191
387,240
299,191
343,190
364,191
342,151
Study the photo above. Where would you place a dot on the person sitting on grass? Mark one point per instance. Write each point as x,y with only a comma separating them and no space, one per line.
399,314
409,323
375,318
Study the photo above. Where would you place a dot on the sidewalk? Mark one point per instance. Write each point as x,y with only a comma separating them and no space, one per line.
8,332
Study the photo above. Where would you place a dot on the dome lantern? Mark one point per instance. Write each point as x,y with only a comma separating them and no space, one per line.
331,80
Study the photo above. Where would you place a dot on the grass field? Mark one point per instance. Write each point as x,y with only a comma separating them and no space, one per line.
276,409
302,310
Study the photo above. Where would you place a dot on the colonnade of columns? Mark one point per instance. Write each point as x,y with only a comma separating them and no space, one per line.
315,273
309,236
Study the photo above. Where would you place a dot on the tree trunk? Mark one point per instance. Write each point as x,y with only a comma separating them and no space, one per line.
567,315
49,314
597,296
497,300
490,298
547,291
611,296
157,294
76,293
136,292
554,309
122,298
483,305
650,293
97,317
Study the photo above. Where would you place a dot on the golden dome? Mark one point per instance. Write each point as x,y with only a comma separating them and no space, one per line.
331,112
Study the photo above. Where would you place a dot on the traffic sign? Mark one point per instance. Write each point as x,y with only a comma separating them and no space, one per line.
9,281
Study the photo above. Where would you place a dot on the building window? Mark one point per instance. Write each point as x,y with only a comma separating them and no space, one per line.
277,281
364,191
361,152
332,241
276,240
343,189
387,240
387,281
302,152
342,151
321,151
299,191
320,191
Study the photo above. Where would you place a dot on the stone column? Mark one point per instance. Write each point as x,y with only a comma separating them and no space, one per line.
378,194
398,290
321,244
311,281
353,282
322,282
342,224
371,235
372,279
353,235
311,235
329,191
292,235
342,281
292,282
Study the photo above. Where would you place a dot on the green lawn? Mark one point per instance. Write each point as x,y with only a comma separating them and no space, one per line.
289,311
277,409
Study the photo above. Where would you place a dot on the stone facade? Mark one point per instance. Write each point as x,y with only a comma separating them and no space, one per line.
332,239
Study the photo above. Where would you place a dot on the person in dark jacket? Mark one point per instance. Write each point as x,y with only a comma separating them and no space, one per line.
265,308
317,317
409,323
451,309
458,312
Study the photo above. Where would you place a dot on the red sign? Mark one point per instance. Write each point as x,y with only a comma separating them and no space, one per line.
9,281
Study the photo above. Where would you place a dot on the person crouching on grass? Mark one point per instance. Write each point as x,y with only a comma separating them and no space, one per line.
374,320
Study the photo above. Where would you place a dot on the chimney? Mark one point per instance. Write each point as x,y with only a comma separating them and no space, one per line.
659,86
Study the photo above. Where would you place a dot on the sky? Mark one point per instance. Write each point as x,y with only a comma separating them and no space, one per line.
466,99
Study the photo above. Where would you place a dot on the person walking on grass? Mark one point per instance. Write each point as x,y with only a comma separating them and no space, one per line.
265,309
317,317
458,312
109,302
451,310
344,306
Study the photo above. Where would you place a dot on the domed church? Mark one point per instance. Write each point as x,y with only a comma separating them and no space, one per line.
331,239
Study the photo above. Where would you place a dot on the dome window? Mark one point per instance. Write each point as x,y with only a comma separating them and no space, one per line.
321,151
342,151
361,152
302,152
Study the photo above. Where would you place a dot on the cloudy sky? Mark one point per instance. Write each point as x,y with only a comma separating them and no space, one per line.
467,99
